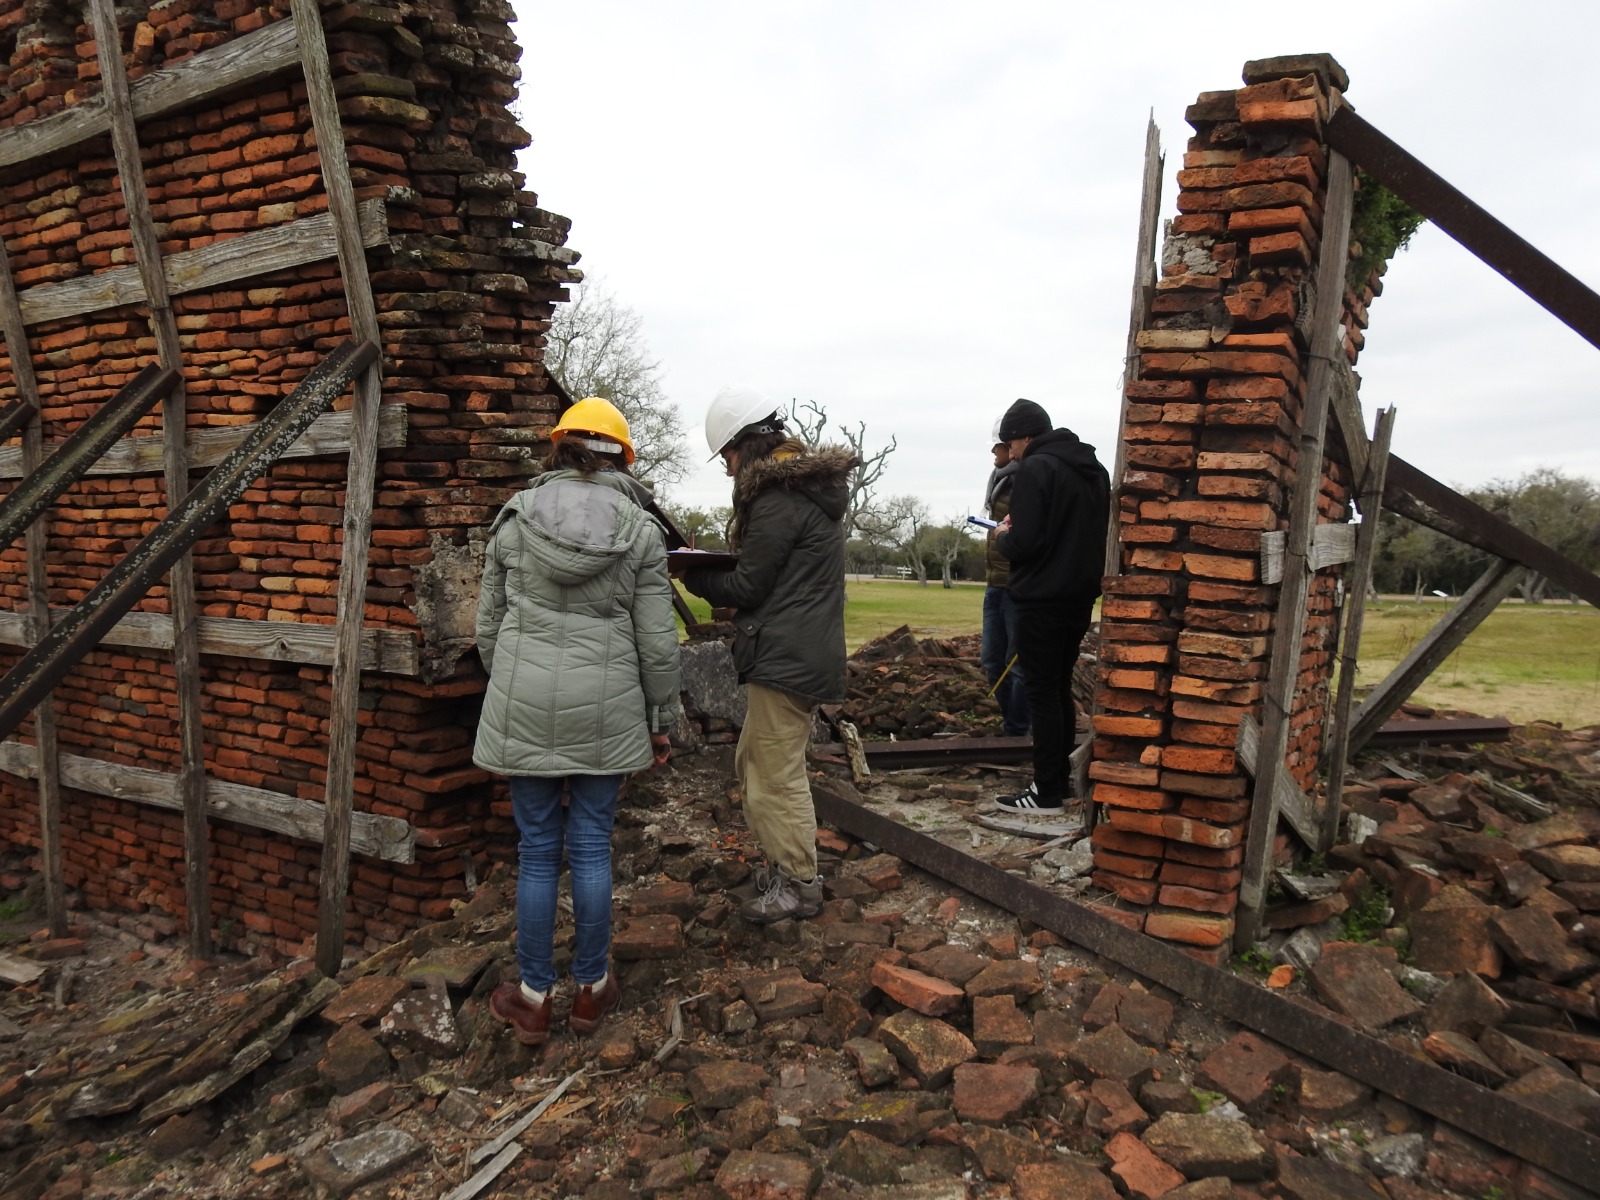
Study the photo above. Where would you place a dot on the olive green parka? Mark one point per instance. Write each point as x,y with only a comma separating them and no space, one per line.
788,586
575,627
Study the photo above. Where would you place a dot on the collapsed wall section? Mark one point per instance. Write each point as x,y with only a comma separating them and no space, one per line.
1210,432
465,268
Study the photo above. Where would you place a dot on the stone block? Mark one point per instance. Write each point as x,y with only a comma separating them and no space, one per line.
1143,1176
1352,980
928,1048
1200,1145
991,1094
928,995
1246,1069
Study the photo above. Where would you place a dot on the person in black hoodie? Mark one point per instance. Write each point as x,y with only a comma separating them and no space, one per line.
1055,540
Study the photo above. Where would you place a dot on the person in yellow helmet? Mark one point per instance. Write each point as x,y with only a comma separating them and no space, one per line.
575,626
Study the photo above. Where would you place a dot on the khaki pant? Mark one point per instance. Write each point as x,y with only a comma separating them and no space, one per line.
771,764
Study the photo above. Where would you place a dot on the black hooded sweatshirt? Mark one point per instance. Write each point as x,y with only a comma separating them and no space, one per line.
1060,507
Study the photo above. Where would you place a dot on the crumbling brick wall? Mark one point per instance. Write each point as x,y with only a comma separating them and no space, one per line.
1212,421
464,291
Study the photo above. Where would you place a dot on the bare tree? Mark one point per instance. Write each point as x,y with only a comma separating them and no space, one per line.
809,420
948,543
902,522
596,347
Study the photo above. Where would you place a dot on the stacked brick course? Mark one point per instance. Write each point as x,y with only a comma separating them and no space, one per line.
1211,446
464,292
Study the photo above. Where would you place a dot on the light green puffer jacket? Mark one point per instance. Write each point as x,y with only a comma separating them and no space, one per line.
576,629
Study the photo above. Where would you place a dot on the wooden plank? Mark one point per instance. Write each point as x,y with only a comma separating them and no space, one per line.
1356,581
1423,499
1293,804
175,469
386,838
19,972
1346,408
1144,282
1493,586
259,252
239,61
44,717
1535,274
328,435
360,481
1331,544
389,651
1289,624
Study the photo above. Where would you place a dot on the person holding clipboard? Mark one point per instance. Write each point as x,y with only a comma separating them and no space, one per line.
787,590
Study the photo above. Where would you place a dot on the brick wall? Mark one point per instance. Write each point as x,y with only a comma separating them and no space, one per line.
1210,435
464,291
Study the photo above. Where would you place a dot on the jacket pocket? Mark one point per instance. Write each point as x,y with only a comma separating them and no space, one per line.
746,645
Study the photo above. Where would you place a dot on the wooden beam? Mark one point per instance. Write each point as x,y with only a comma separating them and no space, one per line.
1356,582
1293,804
328,435
1331,544
175,469
30,680
389,651
1438,644
1277,702
360,481
388,838
44,717
260,252
1535,274
239,61
1144,283
1425,500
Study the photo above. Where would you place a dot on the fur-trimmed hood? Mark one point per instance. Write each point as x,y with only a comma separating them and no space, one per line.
820,474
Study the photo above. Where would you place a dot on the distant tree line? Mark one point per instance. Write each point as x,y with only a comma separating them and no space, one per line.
1561,510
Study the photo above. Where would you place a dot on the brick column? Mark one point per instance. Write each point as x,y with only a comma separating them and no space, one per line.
1210,435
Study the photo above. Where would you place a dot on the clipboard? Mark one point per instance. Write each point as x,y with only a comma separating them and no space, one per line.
683,560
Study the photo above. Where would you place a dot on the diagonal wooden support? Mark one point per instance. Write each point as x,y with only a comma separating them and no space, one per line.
80,630
1440,642
181,600
86,444
346,675
1356,581
1289,622
16,419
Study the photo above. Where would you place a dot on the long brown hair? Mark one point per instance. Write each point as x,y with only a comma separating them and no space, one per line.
566,454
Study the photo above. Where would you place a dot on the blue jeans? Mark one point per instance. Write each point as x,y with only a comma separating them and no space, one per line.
585,828
999,647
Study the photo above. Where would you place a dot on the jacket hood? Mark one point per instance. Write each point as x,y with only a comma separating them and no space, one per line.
578,525
999,479
822,475
1063,444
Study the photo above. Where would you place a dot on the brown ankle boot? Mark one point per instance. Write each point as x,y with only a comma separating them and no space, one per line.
529,1022
589,1006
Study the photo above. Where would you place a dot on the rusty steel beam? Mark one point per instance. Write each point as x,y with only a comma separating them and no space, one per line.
81,629
82,449
944,752
1536,274
1528,1133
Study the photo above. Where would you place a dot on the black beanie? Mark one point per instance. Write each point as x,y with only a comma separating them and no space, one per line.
1024,419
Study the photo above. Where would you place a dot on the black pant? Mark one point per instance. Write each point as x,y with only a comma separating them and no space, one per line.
1048,636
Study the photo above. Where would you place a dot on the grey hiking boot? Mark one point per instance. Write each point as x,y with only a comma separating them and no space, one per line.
783,897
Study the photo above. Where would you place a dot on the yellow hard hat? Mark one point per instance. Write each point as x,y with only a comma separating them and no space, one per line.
597,424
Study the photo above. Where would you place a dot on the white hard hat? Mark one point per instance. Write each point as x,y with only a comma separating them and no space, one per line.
732,409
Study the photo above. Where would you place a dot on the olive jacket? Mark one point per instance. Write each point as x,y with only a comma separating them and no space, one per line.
575,626
788,586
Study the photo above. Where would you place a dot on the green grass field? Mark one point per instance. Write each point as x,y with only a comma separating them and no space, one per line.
1526,663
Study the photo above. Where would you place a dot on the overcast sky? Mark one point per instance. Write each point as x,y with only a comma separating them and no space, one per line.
915,213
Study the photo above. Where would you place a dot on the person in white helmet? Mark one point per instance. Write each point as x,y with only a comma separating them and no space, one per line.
788,592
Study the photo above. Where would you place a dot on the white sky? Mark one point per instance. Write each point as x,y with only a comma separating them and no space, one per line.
915,213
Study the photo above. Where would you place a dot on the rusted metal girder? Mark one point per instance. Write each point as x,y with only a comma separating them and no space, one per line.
82,449
81,629
941,752
1559,1148
1539,276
